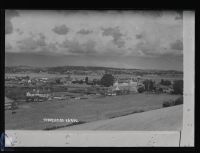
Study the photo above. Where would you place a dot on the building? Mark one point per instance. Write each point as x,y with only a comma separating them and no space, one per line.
130,86
37,96
43,79
66,80
8,103
125,87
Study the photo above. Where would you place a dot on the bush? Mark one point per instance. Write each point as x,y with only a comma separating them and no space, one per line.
169,103
165,82
141,89
179,101
178,87
15,93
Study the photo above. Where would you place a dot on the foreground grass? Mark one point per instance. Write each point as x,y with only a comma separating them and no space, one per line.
31,115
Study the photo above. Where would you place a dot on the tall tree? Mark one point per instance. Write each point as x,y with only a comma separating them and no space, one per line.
86,80
107,80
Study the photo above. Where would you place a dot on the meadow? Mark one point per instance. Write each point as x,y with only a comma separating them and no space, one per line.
30,116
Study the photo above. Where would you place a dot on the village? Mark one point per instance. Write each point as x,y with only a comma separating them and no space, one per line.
23,89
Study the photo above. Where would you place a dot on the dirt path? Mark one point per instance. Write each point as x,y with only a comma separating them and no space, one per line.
161,119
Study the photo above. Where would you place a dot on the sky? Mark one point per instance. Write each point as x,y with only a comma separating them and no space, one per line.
124,39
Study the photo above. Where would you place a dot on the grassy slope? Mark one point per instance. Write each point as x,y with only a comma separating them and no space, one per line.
30,116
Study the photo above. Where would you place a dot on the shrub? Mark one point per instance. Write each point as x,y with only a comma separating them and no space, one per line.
141,89
165,82
169,103
179,101
178,87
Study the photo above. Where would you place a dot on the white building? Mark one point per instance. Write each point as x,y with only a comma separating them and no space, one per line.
131,85
8,103
37,94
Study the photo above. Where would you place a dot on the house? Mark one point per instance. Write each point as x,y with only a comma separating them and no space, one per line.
29,81
130,86
124,86
36,95
44,79
8,103
66,80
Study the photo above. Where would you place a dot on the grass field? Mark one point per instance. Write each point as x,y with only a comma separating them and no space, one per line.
30,116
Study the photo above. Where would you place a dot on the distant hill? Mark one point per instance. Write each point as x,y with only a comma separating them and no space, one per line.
76,69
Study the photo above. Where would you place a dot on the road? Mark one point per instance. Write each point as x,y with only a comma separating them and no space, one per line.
165,119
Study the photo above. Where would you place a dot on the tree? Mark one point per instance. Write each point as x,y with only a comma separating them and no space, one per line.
107,80
86,80
178,87
141,89
80,81
27,77
96,82
57,80
165,82
149,85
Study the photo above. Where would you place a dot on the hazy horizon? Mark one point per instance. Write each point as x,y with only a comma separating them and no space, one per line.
38,60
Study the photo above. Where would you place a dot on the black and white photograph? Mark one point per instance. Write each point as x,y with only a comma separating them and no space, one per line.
87,70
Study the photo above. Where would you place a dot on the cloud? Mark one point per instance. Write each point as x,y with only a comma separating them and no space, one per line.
75,47
134,33
71,45
27,44
139,36
84,32
146,48
42,40
9,14
116,34
61,29
7,46
31,44
19,31
177,45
